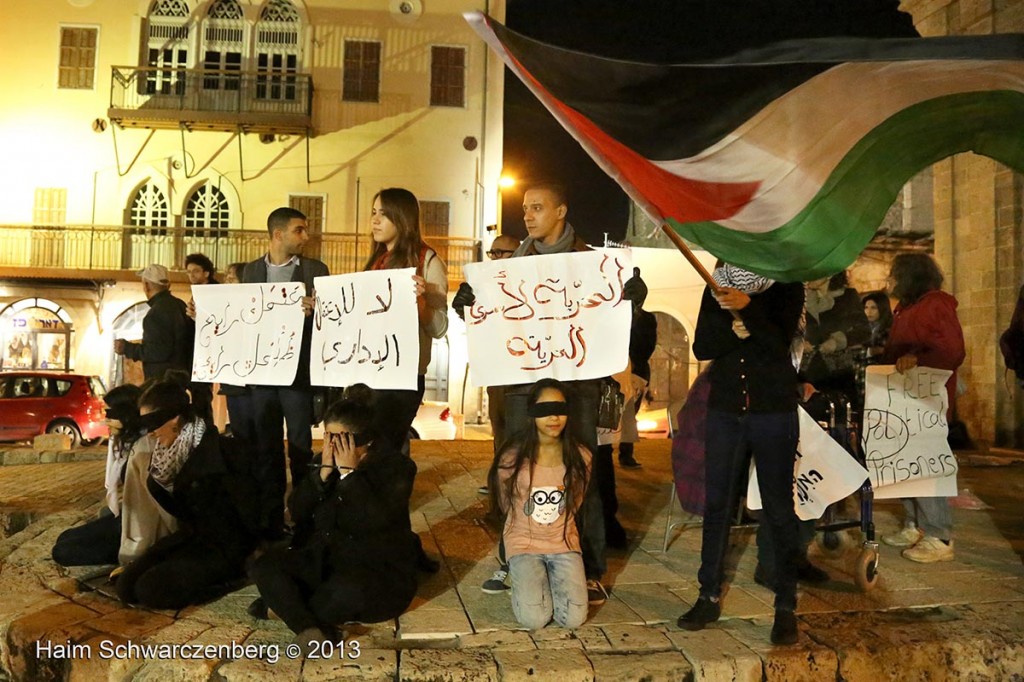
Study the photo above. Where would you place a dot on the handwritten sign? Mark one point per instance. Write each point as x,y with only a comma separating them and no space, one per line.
248,333
560,316
365,330
905,433
824,472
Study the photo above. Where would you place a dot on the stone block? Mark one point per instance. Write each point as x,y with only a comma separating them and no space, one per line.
373,665
54,442
715,655
806,660
498,640
624,638
654,602
437,665
433,624
38,645
20,456
646,667
561,665
130,623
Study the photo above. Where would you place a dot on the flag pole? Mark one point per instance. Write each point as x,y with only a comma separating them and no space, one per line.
688,254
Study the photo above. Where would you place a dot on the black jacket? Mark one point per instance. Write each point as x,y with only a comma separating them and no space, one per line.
167,337
360,523
754,374
308,268
205,503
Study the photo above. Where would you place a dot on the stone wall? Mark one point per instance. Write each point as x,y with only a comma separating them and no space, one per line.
978,237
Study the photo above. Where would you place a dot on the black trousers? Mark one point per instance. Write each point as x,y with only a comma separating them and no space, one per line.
94,543
177,572
271,405
293,586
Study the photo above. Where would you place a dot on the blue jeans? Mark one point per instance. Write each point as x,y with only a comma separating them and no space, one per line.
590,517
271,404
546,586
771,439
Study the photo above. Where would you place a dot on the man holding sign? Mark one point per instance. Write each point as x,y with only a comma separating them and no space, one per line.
925,333
283,262
544,211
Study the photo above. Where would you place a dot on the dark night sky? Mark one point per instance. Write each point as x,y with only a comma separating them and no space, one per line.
666,31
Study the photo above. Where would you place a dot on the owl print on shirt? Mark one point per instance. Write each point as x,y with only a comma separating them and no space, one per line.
545,504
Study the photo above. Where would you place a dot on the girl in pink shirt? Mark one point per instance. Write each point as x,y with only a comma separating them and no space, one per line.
538,483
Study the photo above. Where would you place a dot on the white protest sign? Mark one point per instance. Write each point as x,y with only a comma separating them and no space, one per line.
365,330
560,316
824,472
248,333
905,433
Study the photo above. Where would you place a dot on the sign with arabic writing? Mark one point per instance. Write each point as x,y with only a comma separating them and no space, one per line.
248,333
560,316
905,431
824,472
366,330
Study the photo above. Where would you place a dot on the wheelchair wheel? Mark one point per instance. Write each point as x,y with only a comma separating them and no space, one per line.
866,572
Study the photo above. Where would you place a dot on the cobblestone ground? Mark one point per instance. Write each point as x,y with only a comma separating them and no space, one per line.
955,620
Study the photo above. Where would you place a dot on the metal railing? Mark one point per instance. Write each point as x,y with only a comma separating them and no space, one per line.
234,96
122,247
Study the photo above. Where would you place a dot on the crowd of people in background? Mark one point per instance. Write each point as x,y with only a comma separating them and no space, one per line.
191,513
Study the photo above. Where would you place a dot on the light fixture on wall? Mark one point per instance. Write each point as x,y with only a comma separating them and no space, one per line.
405,11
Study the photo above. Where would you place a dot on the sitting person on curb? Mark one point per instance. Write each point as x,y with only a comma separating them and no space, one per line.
96,542
189,478
353,558
538,483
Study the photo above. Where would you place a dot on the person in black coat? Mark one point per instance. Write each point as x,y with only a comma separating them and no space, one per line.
190,479
167,332
747,328
288,233
353,557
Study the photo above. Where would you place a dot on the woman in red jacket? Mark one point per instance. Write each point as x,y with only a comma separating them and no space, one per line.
925,331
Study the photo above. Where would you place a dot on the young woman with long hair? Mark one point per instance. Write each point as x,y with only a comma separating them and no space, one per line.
925,331
538,483
878,311
395,228
353,557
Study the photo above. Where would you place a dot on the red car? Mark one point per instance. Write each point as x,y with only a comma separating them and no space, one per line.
32,403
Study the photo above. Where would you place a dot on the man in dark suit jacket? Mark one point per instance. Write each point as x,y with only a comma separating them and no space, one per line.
283,263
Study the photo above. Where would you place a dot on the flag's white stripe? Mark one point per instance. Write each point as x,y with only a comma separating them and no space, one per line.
795,143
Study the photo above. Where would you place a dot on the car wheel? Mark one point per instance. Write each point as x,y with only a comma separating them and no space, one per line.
67,428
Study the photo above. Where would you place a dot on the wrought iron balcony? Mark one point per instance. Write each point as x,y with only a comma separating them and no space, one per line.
259,102
117,252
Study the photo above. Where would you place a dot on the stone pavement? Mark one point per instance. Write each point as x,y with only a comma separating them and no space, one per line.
955,620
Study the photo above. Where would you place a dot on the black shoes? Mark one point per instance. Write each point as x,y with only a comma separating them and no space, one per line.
784,631
629,462
703,612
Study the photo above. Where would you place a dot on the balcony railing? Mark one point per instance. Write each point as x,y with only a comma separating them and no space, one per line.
261,101
56,251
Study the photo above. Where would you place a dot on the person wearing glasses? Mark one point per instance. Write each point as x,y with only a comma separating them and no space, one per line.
353,558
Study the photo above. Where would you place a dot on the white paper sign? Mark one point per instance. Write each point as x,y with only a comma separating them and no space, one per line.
824,472
560,316
248,333
366,330
905,433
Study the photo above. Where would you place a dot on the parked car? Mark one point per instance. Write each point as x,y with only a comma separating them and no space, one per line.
434,421
33,403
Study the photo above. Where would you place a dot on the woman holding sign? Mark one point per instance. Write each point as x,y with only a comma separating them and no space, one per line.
925,331
395,227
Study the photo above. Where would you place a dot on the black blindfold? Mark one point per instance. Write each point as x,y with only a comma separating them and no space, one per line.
548,409
154,420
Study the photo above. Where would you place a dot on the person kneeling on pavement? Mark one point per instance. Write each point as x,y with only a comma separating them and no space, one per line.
353,557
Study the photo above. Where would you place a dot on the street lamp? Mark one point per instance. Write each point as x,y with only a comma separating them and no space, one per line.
504,182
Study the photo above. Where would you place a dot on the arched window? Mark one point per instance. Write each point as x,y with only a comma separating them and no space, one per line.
224,38
148,209
167,45
207,212
278,50
35,333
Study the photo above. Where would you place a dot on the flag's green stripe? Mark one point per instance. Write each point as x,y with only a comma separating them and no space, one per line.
832,230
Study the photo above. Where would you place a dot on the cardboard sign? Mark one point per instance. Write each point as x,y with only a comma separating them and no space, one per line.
560,316
365,330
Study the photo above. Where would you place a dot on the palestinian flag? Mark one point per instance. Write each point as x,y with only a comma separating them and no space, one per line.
784,159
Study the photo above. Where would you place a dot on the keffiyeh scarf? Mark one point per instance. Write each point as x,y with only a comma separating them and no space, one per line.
738,278
168,460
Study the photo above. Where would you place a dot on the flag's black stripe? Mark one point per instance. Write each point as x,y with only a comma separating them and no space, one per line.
675,111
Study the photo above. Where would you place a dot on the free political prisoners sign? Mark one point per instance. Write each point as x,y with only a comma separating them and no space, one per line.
365,330
248,333
555,316
905,432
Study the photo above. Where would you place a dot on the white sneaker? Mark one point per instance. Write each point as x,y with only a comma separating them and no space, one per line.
497,583
929,550
907,537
